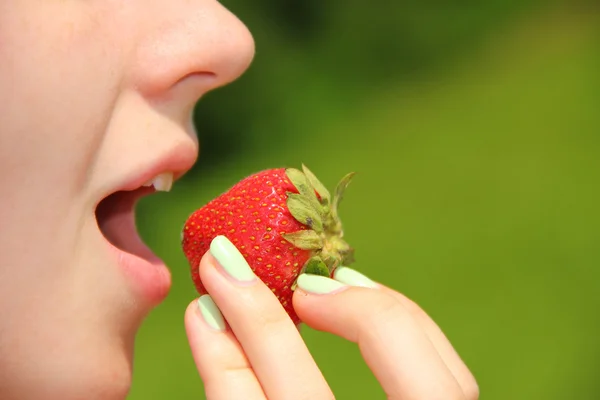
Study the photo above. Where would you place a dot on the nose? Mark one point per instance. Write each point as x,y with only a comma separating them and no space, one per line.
195,44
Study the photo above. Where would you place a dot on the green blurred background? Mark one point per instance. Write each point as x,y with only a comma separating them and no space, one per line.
475,131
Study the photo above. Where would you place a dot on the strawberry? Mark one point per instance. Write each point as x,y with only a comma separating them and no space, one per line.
283,221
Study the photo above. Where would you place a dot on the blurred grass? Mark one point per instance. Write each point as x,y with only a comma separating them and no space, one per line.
480,183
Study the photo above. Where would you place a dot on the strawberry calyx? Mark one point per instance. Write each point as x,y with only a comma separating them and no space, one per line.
314,207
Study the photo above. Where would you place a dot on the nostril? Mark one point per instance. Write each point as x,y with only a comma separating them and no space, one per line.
198,78
191,87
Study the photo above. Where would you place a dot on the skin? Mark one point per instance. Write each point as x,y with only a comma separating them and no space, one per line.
91,92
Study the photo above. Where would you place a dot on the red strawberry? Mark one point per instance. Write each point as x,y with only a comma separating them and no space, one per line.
283,221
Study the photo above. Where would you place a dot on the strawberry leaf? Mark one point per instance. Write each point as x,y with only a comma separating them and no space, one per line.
339,192
301,183
316,266
305,240
304,212
317,185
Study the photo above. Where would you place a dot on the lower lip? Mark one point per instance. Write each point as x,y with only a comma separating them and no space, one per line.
148,277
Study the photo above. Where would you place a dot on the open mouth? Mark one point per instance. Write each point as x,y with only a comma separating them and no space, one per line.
116,219
115,216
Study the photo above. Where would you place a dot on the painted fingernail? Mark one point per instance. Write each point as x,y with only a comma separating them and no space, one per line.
231,259
352,277
318,284
211,313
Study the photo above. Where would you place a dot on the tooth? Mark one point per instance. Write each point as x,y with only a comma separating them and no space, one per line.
163,182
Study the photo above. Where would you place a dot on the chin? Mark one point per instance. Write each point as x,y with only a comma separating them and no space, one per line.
70,370
108,383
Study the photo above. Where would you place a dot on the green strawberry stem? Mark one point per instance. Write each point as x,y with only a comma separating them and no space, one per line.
324,236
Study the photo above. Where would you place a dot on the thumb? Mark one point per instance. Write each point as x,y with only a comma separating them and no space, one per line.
391,341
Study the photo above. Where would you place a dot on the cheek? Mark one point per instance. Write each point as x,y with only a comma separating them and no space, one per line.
59,78
56,93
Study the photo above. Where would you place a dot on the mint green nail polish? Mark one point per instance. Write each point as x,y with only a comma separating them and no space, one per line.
211,313
318,284
352,277
231,259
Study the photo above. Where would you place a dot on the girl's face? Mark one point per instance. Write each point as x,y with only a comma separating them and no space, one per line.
96,98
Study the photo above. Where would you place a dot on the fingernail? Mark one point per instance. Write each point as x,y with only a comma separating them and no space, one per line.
231,259
318,284
352,277
211,313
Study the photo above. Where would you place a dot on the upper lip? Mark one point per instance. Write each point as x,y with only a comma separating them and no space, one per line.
177,159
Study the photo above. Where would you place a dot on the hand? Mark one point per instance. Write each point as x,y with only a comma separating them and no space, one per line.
248,353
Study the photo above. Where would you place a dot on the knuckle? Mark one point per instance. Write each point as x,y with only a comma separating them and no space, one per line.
268,314
469,385
272,320
472,391
225,359
214,352
412,306
387,307
237,365
379,315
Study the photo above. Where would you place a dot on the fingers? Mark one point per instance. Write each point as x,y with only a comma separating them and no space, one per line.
262,355
272,344
220,360
392,342
434,333
443,346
